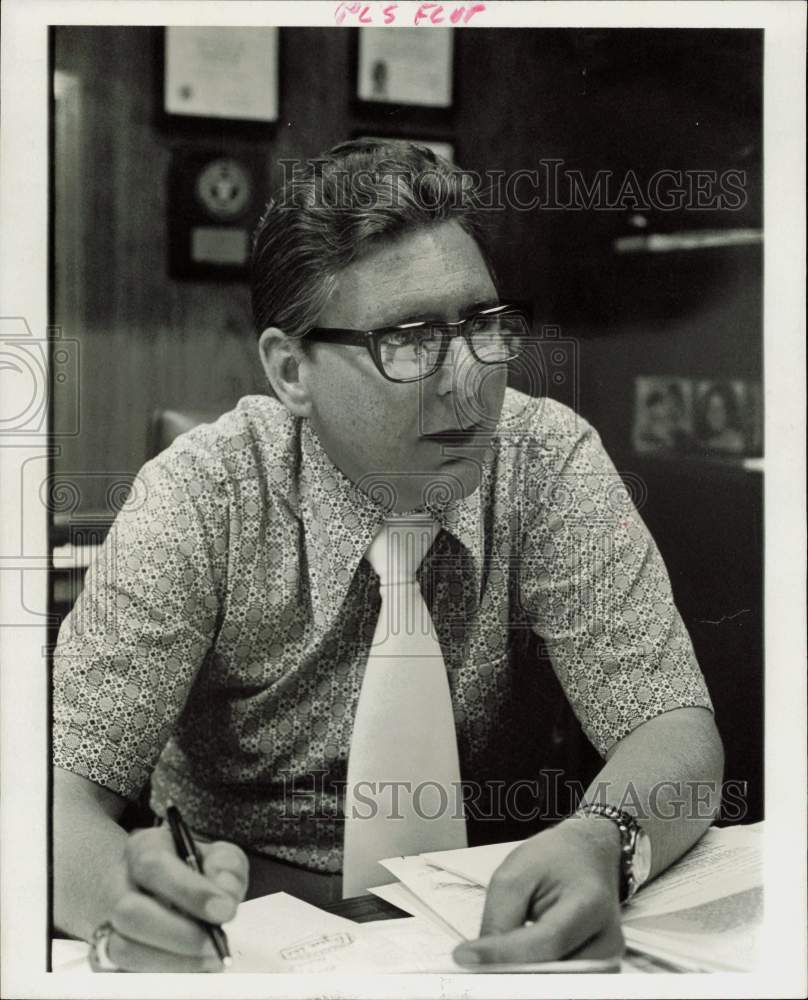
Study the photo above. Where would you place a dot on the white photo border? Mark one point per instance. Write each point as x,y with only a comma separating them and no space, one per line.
23,692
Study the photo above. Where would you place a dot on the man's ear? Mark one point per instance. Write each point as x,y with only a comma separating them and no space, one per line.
284,360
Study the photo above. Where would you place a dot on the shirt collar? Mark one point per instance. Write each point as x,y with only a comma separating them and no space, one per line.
341,521
462,519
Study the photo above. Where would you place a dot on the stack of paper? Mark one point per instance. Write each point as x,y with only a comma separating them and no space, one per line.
703,914
454,902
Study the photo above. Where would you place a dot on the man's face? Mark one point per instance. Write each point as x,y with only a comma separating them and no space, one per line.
380,432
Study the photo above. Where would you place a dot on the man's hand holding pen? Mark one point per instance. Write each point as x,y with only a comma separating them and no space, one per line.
160,922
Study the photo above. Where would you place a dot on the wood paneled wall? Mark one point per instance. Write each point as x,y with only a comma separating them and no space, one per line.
145,341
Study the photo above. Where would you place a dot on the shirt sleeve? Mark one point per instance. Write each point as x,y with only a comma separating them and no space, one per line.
128,652
594,586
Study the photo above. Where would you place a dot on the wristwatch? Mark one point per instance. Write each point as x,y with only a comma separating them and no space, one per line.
635,847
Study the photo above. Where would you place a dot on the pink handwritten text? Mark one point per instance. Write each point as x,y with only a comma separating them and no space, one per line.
425,14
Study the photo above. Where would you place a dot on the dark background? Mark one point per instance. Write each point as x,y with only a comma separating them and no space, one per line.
598,99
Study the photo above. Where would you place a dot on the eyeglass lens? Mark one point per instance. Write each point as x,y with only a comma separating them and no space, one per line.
408,354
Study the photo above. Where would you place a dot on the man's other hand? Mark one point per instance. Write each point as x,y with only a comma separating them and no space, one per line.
155,919
566,881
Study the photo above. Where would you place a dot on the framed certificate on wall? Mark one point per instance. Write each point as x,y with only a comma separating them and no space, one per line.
405,66
221,73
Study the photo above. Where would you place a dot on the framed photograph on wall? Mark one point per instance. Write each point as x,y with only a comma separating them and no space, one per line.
705,418
663,415
406,67
228,74
726,416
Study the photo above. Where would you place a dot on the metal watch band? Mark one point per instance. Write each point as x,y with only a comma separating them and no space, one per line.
629,832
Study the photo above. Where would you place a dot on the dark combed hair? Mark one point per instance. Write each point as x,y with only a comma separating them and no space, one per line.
334,208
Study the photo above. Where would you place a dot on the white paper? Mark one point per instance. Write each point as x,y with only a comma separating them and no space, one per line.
456,900
722,934
69,956
476,864
635,960
279,933
723,862
411,944
650,950
405,899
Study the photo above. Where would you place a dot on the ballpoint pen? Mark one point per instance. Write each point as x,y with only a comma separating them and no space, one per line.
188,852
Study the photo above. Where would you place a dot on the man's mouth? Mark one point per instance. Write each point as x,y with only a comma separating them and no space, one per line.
458,435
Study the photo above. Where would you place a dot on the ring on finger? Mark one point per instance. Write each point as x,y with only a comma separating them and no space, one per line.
99,949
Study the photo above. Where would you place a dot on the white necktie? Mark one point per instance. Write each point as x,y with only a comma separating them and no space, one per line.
403,786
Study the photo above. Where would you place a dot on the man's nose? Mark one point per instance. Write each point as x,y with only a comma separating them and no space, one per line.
459,372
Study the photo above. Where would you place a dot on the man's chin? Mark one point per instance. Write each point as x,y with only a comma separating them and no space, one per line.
464,472
458,477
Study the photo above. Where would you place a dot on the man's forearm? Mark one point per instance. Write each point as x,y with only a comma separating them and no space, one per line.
667,773
89,872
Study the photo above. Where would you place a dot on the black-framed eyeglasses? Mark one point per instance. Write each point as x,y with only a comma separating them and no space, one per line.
413,351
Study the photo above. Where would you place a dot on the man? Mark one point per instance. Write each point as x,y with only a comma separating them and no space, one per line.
230,644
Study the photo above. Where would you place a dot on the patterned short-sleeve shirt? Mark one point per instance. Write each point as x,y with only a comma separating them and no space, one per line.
219,644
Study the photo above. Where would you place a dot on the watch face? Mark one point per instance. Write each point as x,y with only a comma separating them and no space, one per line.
641,863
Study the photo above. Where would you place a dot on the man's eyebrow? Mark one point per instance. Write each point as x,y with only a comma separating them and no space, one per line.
425,315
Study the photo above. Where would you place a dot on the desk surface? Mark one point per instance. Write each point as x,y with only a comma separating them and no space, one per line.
363,909
69,955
